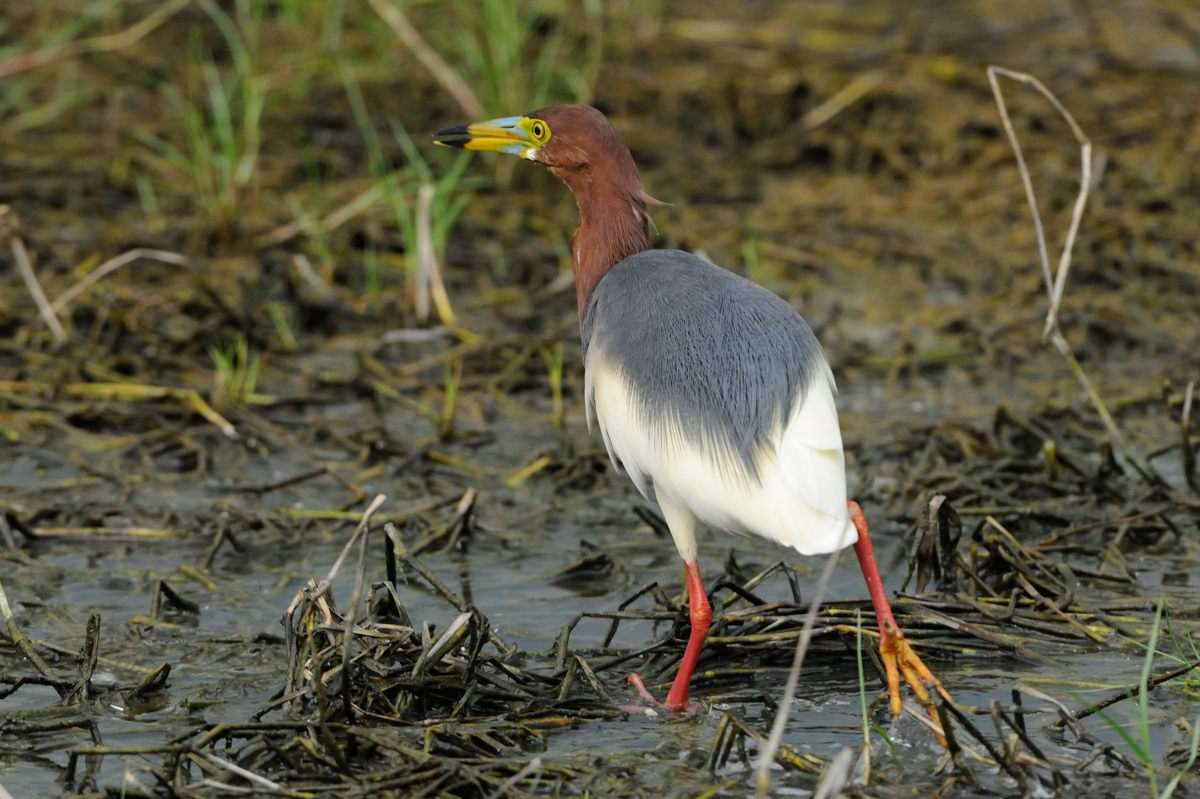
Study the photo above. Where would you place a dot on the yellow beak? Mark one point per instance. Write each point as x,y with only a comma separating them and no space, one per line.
504,135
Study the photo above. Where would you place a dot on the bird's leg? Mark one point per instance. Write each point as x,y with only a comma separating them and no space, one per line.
700,616
895,651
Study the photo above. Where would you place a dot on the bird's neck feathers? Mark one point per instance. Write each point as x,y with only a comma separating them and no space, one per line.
613,225
611,228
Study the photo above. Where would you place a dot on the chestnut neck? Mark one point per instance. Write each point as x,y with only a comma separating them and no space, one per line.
613,225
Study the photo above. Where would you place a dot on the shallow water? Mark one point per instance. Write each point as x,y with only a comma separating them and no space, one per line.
222,668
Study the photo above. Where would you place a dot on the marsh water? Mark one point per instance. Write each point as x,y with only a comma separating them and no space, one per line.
847,155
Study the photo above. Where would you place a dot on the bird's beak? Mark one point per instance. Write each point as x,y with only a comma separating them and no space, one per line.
504,135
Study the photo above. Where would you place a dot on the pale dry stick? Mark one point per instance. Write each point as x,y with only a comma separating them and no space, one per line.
309,275
97,44
426,259
1185,417
429,280
320,589
511,783
1185,426
1026,180
376,503
19,638
1055,287
767,755
111,265
35,289
245,774
1056,283
129,781
442,72
836,776
360,575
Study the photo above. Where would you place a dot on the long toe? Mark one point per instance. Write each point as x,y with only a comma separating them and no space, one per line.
900,659
650,703
643,692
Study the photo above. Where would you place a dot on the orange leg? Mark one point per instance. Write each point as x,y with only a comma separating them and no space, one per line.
700,615
895,651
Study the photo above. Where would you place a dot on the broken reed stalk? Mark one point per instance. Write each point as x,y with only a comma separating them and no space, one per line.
111,265
442,72
246,774
21,256
429,285
1056,285
19,638
862,699
1056,282
363,522
510,785
1185,425
426,261
355,604
836,775
762,775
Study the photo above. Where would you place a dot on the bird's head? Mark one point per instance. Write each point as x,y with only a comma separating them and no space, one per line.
576,142
583,149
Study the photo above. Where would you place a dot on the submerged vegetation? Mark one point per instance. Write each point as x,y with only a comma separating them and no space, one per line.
256,330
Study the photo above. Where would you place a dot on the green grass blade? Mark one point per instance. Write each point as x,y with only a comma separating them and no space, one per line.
1133,746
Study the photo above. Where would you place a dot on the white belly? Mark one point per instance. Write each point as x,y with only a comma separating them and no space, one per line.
797,499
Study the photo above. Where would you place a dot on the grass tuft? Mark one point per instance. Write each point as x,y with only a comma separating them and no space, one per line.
235,375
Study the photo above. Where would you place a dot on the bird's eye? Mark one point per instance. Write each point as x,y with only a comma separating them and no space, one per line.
539,131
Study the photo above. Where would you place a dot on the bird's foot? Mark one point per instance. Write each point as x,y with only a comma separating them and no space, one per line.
897,654
900,659
650,705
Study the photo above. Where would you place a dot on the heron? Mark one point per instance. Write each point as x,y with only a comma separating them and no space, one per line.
709,391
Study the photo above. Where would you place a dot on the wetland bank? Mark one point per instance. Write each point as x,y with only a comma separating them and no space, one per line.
192,434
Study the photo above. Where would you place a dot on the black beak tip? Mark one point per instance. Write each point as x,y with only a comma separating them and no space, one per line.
456,136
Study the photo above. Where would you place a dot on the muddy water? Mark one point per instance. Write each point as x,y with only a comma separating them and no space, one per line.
228,660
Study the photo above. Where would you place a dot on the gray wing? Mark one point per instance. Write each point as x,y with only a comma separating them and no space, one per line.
721,356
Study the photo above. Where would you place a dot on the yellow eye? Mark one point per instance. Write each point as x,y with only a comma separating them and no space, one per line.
540,131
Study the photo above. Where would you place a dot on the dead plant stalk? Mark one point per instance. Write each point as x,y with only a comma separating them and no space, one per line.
442,72
21,255
767,755
1056,282
111,265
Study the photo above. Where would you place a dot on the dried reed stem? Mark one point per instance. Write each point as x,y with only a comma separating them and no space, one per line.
35,289
442,72
111,265
1056,283
429,272
767,755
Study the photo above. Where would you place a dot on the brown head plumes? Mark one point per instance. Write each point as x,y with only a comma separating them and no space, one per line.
587,153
